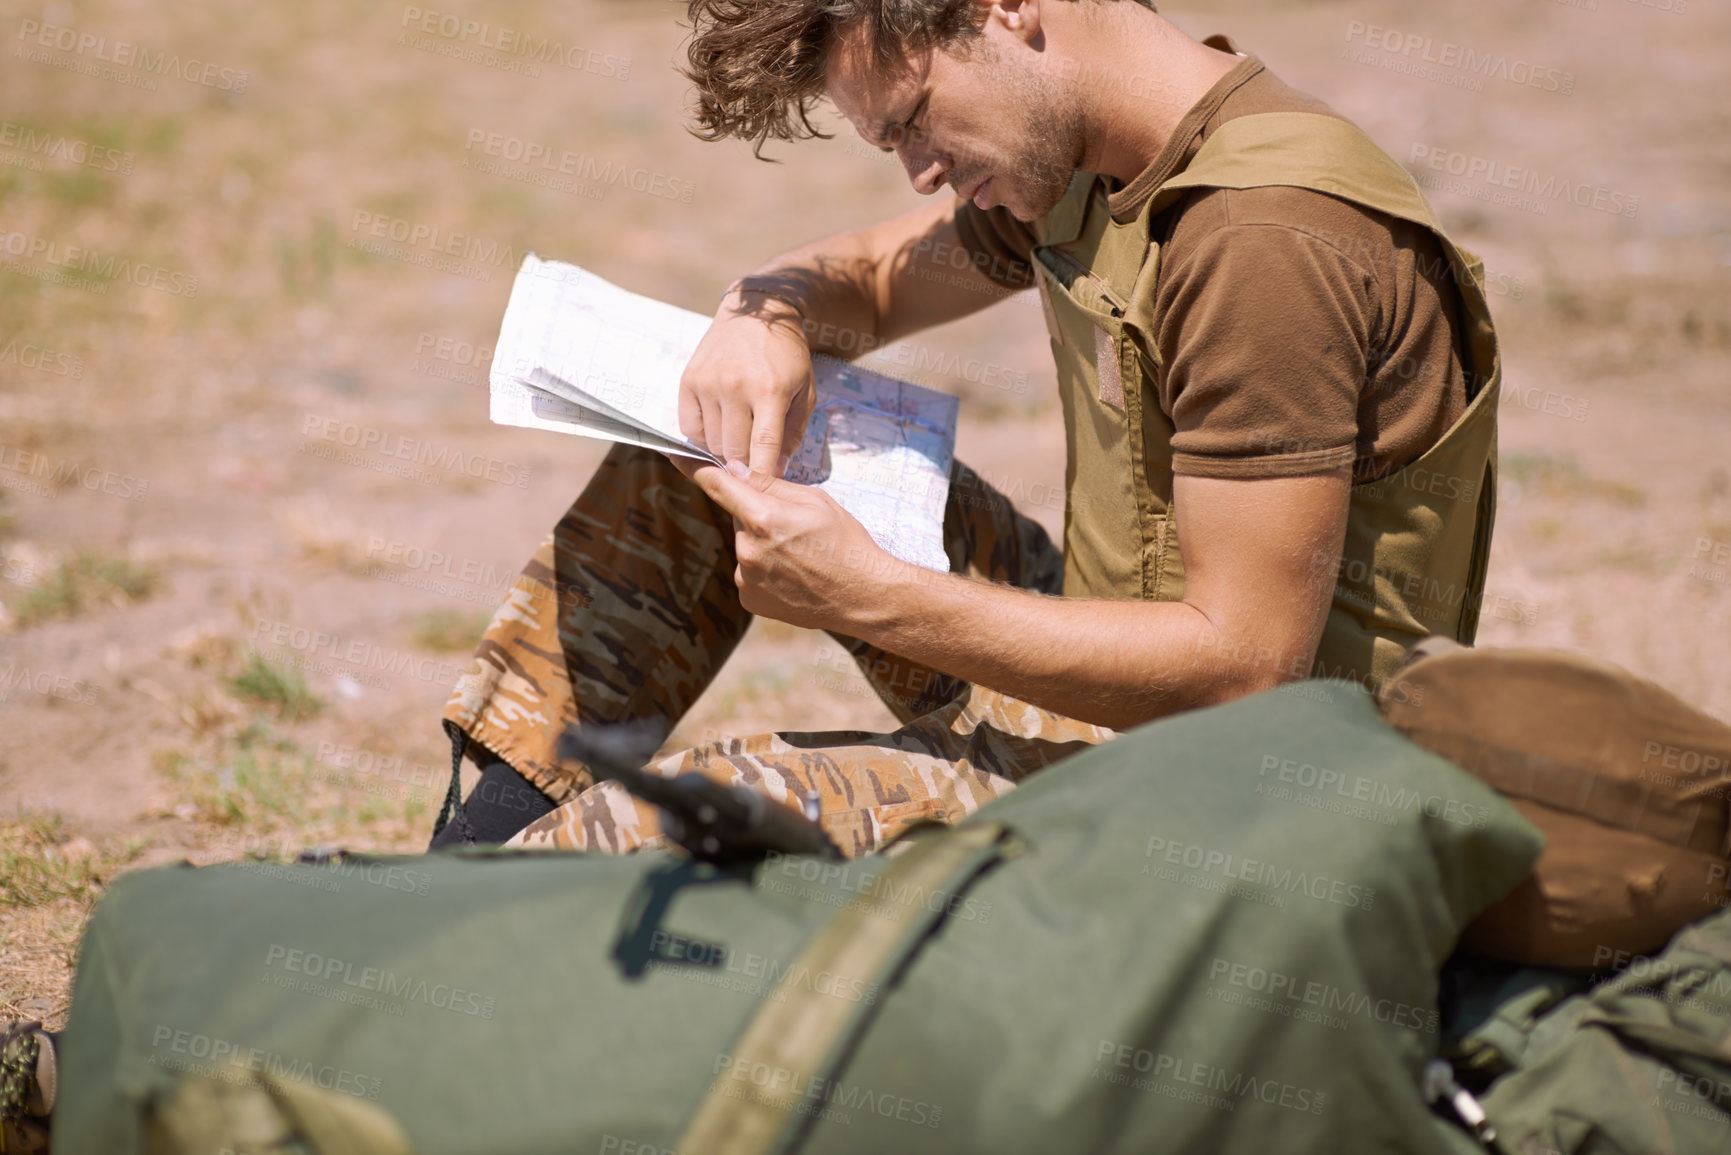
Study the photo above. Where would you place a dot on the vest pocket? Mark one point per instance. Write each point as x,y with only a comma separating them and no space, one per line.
1109,515
1086,289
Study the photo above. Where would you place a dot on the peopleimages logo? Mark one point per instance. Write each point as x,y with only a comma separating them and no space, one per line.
125,54
1375,793
102,267
306,643
510,42
1498,175
807,1095
45,683
65,472
189,1052
30,355
410,449
323,969
1260,874
57,146
1295,996
870,884
564,162
1418,49
1177,1077
442,242
706,957
452,359
404,555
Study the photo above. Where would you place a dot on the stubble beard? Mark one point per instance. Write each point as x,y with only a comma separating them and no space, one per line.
1053,132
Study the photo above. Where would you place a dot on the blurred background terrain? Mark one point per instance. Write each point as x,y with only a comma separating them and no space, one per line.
253,258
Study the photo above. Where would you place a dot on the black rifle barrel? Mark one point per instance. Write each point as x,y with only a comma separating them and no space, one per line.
712,820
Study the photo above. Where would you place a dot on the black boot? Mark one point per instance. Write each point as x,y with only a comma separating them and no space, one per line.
502,803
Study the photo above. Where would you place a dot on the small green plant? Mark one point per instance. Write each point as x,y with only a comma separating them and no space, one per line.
78,189
282,688
84,581
270,791
450,631
258,734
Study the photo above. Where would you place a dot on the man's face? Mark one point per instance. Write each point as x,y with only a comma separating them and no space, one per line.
980,117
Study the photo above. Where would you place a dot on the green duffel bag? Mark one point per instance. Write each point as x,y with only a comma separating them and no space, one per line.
1220,933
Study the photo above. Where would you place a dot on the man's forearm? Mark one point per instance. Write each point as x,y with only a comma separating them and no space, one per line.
1113,663
1260,558
860,290
833,284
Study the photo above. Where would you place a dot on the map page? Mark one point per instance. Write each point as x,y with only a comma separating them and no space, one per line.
579,355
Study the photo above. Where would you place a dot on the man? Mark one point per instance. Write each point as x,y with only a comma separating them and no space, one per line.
1278,381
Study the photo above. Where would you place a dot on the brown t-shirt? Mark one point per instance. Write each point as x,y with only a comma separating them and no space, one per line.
1299,333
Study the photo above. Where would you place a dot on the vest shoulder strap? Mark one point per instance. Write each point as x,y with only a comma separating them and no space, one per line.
1328,155
1304,150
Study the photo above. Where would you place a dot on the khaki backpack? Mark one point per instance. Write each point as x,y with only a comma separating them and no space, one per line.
1628,783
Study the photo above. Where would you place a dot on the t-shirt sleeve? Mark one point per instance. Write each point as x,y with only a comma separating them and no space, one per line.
997,244
1263,331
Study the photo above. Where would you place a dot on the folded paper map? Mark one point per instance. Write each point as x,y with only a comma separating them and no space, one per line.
577,354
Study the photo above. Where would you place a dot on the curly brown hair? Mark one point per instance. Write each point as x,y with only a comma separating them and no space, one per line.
758,64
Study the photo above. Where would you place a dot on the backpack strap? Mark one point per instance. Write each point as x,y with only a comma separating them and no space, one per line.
806,1035
1662,1040
1499,1043
1615,1067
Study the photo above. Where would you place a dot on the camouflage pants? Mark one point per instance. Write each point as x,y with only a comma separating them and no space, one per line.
629,609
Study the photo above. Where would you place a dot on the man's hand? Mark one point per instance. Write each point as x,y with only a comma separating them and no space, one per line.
803,559
747,391
1260,564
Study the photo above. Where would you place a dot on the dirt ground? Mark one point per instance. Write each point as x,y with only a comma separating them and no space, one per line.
232,611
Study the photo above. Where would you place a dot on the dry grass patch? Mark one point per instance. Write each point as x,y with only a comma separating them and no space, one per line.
83,582
260,794
1561,476
41,862
49,880
324,534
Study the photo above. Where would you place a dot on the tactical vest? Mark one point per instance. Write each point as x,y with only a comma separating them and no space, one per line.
1417,542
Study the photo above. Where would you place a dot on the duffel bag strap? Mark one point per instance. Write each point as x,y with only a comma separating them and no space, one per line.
803,1034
